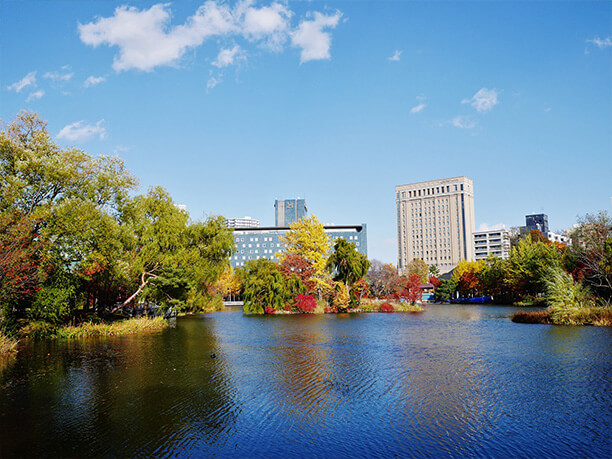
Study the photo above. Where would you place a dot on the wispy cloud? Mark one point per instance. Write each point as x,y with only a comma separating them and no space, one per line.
93,81
212,82
396,56
601,43
35,95
309,36
60,76
484,100
227,56
146,39
28,80
418,108
81,131
463,122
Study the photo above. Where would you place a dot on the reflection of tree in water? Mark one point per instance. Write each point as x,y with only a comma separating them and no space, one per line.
134,395
321,368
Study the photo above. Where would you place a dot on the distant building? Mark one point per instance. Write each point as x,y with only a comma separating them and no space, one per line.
246,222
289,211
555,237
494,242
435,222
264,242
537,222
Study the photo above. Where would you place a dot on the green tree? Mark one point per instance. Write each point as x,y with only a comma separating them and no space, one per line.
446,290
419,268
346,264
434,271
492,277
264,286
529,265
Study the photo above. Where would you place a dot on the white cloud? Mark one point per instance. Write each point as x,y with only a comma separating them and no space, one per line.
601,44
35,95
227,57
487,227
59,76
268,23
310,37
396,56
463,123
93,81
418,108
484,100
28,80
145,39
81,131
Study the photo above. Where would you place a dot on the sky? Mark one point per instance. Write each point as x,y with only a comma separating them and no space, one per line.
231,105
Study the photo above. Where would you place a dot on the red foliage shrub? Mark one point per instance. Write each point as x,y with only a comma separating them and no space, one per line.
386,307
305,303
270,310
330,310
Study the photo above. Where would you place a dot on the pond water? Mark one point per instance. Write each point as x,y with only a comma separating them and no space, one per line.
451,381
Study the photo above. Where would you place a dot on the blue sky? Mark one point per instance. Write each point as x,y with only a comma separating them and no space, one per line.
231,105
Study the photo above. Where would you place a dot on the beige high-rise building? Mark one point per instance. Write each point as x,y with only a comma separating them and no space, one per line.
435,222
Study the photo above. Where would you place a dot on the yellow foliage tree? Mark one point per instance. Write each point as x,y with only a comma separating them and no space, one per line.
464,266
306,238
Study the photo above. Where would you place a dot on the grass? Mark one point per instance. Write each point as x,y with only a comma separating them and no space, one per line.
124,327
7,345
594,315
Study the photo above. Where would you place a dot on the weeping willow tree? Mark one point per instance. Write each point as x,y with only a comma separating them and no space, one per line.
265,286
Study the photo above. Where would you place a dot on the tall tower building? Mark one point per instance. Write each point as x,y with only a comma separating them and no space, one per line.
435,222
289,211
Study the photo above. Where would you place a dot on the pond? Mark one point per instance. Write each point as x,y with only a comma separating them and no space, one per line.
451,381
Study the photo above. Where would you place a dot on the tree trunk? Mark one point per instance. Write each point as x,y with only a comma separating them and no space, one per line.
144,280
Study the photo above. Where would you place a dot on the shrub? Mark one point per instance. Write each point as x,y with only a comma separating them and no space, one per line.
305,303
386,307
269,310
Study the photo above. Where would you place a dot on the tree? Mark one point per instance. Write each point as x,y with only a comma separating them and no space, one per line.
463,266
20,261
307,239
417,267
592,249
412,291
445,290
346,264
529,264
492,277
468,284
384,279
264,286
434,271
300,267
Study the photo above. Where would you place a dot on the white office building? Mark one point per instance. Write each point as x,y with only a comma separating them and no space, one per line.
493,242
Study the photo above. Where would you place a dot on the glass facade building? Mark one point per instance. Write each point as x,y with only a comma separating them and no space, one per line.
289,211
264,242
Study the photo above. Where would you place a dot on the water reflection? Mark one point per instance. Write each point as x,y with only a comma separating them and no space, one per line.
451,381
